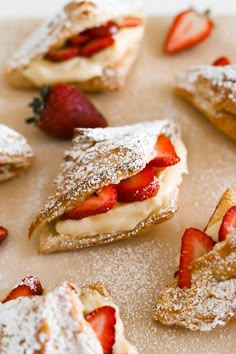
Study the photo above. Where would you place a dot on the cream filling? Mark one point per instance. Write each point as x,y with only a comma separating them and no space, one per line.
94,300
213,230
43,71
125,216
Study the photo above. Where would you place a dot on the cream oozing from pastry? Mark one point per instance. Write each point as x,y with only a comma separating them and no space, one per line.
43,71
125,216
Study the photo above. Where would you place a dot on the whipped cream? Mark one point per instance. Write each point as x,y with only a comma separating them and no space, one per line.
43,71
125,216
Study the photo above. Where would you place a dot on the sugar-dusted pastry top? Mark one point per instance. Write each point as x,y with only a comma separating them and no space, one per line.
56,323
13,146
219,81
75,17
99,157
212,89
210,301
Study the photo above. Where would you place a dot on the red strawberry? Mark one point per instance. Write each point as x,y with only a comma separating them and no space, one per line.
103,320
131,21
139,187
109,29
195,243
221,61
62,54
95,45
228,223
188,29
29,286
99,203
166,155
63,108
79,39
3,233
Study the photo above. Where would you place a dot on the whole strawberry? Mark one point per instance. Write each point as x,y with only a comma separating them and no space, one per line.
62,108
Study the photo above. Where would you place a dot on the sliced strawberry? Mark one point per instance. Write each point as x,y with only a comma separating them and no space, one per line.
63,54
99,203
131,21
195,243
228,223
103,321
188,29
222,61
79,39
139,187
29,286
3,233
95,45
109,29
166,154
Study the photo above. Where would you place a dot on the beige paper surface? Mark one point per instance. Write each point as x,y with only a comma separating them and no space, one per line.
136,269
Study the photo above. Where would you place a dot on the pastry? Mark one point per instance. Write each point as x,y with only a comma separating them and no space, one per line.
211,89
113,183
16,155
67,319
91,44
204,297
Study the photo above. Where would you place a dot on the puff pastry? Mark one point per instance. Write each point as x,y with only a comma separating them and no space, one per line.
210,301
211,89
16,155
100,157
56,323
105,70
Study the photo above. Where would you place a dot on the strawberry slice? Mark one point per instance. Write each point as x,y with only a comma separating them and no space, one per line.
228,223
109,29
131,21
195,243
166,154
95,45
188,29
29,286
3,234
62,54
99,203
139,187
103,320
79,39
222,61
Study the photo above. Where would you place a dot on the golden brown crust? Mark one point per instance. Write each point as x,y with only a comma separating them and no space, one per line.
74,18
99,157
212,91
210,302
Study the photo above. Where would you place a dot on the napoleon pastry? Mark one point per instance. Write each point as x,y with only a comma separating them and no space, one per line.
16,155
113,183
202,296
67,319
212,89
92,44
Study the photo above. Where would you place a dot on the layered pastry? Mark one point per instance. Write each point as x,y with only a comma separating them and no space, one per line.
92,44
66,319
16,155
202,294
113,183
212,90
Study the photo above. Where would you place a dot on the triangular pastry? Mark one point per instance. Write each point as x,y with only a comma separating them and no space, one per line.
16,155
57,322
107,159
212,89
210,300
91,44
